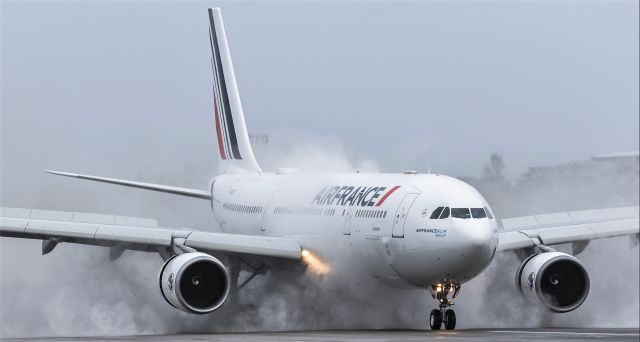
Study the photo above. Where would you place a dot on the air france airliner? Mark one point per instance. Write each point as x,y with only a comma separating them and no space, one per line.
409,230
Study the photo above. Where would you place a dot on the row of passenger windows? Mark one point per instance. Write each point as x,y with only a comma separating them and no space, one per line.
303,211
369,213
463,213
241,208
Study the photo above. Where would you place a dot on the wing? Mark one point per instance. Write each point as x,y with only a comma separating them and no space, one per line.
141,185
567,227
140,234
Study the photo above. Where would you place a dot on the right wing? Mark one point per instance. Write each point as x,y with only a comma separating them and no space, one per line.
141,185
139,234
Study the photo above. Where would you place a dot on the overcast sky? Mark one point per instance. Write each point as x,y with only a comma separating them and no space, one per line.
112,88
124,89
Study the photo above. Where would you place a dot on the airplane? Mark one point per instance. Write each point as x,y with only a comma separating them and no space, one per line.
408,230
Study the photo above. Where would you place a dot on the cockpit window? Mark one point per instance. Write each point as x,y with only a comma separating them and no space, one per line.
478,213
462,213
436,213
445,213
488,213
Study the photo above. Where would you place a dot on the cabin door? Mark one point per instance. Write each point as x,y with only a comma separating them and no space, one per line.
346,228
401,215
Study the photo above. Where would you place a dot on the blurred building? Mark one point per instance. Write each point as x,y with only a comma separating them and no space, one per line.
622,164
603,181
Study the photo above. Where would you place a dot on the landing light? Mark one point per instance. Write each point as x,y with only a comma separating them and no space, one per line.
314,264
440,291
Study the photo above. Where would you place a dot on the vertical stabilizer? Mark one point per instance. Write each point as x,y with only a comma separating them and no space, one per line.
234,148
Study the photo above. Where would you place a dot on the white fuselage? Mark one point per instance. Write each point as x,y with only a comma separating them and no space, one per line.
379,222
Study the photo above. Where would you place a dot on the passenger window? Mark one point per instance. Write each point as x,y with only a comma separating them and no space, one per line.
478,213
488,213
445,213
462,213
436,213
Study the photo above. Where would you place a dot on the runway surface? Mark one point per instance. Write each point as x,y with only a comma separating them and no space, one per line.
383,335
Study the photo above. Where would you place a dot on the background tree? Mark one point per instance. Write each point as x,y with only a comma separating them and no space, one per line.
492,170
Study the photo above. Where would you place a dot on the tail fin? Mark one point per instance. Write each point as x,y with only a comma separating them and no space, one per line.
233,140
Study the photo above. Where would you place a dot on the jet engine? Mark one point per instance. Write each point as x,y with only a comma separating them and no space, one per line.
556,279
194,282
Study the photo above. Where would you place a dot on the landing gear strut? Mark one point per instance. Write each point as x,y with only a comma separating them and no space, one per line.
443,314
235,266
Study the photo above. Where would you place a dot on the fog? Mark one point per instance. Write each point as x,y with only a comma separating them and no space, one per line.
123,90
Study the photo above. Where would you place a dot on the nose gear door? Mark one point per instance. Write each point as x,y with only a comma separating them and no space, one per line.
401,215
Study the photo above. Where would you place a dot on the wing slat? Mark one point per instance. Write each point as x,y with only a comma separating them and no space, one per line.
94,229
559,228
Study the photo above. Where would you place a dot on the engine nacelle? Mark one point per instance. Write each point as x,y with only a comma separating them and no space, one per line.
194,282
557,279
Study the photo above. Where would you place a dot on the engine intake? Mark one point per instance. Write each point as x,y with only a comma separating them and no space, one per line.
556,279
194,282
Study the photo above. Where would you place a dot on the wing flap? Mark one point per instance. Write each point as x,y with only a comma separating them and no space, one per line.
138,235
246,244
66,229
16,226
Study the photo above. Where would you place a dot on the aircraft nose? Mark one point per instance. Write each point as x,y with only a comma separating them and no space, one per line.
476,241
475,234
463,248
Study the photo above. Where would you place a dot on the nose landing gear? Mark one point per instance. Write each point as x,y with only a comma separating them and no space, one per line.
437,317
443,314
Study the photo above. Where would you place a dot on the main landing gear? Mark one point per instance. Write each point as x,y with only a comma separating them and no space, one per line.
443,314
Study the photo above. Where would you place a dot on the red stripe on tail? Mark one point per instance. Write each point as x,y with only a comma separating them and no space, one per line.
218,130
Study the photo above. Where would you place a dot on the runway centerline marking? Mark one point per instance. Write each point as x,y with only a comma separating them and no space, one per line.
562,333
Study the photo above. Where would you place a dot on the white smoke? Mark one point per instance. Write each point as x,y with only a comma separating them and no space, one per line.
323,155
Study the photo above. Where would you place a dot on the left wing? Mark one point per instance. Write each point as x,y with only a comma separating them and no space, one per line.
567,227
121,233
